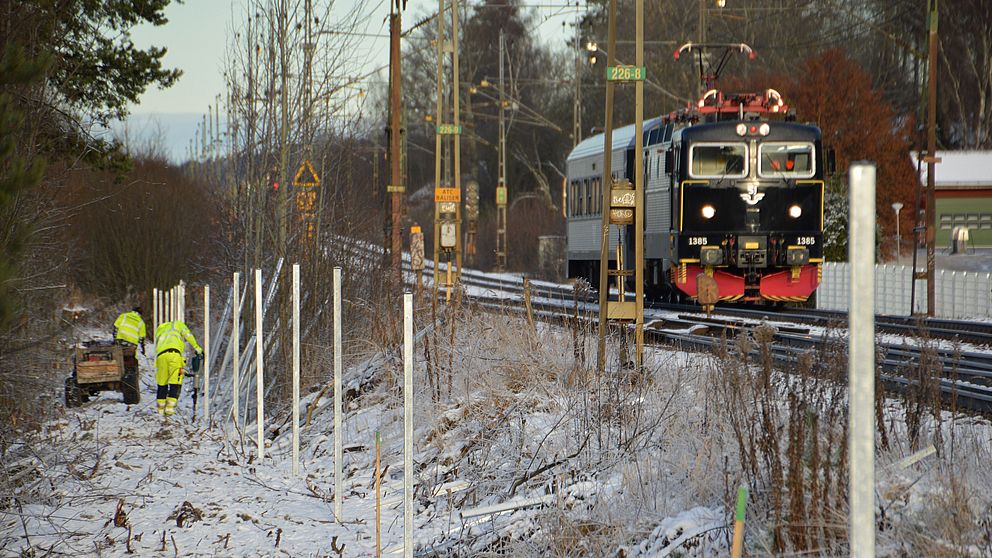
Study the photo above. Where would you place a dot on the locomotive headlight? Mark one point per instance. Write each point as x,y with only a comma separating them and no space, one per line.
741,129
795,211
708,211
764,129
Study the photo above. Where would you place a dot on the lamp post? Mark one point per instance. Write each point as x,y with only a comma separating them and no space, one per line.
897,207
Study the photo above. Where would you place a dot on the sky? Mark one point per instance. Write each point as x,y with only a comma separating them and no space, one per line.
196,38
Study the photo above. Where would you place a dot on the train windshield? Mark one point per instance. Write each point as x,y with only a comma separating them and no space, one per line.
786,160
718,160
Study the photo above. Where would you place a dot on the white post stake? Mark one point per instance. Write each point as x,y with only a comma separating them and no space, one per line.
182,301
861,360
259,370
338,431
408,425
154,312
236,344
206,355
167,311
296,369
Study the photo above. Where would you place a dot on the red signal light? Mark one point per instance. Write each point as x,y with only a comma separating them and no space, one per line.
275,185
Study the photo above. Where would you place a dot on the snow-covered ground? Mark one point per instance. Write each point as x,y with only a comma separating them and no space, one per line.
588,465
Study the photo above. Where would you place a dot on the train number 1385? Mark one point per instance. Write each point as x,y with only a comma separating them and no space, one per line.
697,241
806,240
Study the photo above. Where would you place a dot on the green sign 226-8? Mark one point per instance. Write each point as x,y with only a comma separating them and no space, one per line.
449,129
625,73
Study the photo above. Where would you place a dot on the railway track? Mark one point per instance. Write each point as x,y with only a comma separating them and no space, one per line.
978,333
965,375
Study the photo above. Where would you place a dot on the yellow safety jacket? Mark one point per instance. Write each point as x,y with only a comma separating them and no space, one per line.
130,327
174,335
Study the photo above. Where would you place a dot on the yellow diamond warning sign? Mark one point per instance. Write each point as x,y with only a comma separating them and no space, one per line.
306,177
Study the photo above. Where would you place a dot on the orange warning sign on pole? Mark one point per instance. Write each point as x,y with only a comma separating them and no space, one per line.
447,195
306,177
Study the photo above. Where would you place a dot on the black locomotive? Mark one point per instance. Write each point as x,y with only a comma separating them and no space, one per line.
733,198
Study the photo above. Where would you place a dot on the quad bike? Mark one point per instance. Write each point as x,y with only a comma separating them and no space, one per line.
99,366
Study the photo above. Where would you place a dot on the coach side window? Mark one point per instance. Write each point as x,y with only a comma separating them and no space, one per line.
599,196
578,198
585,197
572,196
588,189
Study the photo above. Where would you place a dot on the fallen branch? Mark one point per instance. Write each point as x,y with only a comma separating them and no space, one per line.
529,475
312,406
86,476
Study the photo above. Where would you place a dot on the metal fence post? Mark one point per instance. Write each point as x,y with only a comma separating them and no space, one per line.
206,354
236,353
259,368
296,369
338,401
861,360
408,425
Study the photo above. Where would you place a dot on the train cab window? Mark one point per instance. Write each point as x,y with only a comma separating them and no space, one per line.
789,160
718,160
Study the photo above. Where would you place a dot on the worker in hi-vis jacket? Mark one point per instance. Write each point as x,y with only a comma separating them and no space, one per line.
130,328
170,345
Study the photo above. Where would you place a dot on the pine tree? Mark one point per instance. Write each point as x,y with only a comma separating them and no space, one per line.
17,173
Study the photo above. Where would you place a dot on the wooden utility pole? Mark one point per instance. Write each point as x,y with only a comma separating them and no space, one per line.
931,159
607,182
623,203
457,138
438,108
396,186
501,193
639,185
577,100
702,52
282,214
447,180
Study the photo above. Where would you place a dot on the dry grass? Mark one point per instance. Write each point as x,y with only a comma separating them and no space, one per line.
790,431
526,416
789,425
